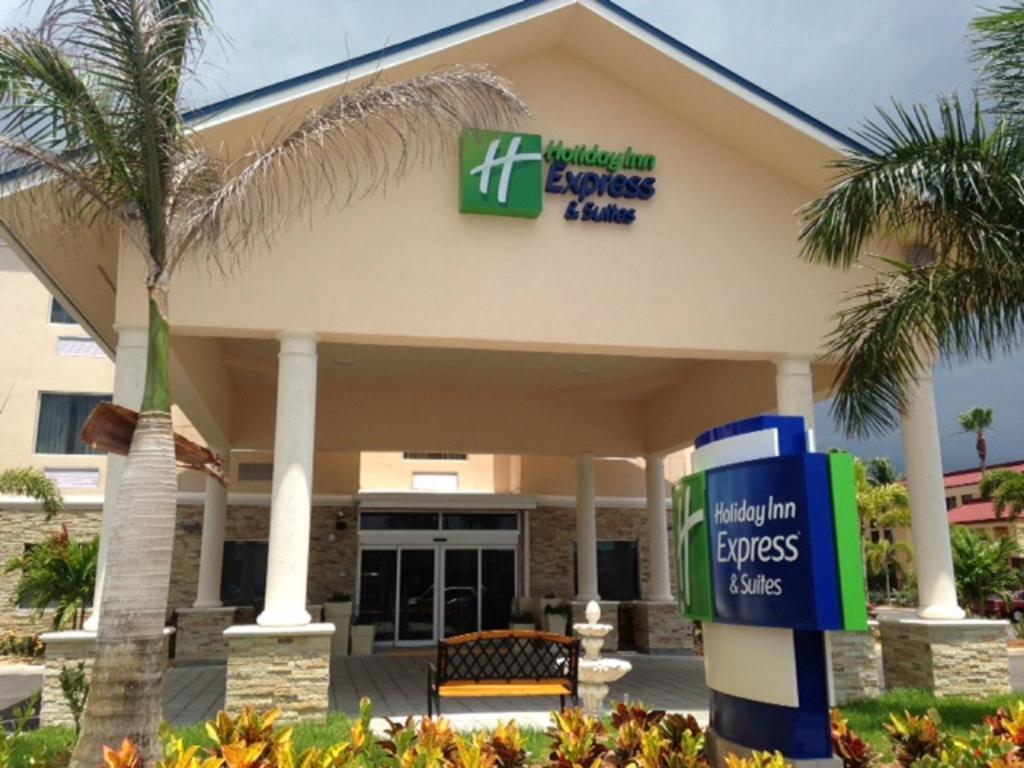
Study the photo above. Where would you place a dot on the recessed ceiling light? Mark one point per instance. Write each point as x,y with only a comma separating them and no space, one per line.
344,362
581,371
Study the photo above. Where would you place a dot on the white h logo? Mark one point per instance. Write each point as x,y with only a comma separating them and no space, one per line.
492,161
690,521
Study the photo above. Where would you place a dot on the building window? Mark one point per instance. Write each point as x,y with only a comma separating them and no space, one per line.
443,482
77,346
398,521
967,498
950,502
463,521
432,456
61,418
60,315
255,472
74,478
618,570
244,574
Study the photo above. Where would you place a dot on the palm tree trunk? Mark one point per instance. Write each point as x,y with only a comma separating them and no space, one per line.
982,447
888,584
126,693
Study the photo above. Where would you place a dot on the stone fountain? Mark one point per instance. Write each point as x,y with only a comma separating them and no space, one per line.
595,672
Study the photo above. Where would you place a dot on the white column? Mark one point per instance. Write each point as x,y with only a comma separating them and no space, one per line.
660,586
929,525
292,493
211,552
129,383
794,390
586,529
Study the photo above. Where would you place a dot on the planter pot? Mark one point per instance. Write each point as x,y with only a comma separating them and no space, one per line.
340,615
521,625
557,623
362,639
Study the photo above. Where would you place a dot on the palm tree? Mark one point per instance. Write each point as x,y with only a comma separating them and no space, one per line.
883,507
881,471
983,566
1005,489
60,573
33,484
977,420
91,104
950,185
884,556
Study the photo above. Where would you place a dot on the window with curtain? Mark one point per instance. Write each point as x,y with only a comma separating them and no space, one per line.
60,315
61,418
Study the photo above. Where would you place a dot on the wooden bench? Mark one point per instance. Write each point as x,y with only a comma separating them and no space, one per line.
504,662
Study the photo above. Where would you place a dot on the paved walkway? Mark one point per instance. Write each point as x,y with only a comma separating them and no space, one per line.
396,684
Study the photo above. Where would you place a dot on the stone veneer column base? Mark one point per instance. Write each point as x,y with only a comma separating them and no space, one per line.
280,667
200,638
855,664
609,615
658,626
67,649
951,658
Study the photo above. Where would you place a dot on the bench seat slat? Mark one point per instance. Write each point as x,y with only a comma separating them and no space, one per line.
504,688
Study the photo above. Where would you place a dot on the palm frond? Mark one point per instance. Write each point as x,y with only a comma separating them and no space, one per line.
948,182
33,484
998,41
353,146
883,335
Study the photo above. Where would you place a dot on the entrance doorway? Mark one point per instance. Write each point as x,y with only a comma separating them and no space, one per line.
434,580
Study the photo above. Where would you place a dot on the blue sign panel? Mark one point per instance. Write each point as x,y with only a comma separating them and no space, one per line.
772,541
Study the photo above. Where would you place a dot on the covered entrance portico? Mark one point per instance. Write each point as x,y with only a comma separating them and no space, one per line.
577,353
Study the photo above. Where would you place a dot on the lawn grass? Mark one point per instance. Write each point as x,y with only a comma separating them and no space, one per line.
959,715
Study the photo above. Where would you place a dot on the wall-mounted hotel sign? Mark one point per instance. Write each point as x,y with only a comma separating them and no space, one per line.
767,544
504,174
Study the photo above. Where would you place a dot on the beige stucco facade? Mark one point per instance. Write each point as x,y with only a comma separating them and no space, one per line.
555,358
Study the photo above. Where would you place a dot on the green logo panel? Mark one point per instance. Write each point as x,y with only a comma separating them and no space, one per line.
848,544
693,551
501,173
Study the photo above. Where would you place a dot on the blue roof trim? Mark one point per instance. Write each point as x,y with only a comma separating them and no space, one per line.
366,58
749,85
212,109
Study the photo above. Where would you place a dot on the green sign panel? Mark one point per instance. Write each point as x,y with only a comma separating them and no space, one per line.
693,555
501,174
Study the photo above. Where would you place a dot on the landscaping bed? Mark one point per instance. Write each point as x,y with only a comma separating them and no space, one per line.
886,731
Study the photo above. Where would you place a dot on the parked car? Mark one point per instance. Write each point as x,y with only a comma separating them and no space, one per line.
1011,607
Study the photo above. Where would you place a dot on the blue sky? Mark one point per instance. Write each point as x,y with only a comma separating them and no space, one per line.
833,58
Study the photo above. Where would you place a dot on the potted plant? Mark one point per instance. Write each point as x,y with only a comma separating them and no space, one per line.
556,616
338,611
522,621
362,633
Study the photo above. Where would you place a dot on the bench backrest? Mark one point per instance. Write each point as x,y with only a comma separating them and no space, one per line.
508,654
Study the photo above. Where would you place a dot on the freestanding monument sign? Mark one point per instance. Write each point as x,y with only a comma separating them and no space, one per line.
767,540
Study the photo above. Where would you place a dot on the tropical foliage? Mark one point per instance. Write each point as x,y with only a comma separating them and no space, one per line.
883,507
59,573
34,484
91,119
983,566
978,420
947,182
1005,489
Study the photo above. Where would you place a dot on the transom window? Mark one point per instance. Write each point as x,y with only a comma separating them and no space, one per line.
61,418
433,521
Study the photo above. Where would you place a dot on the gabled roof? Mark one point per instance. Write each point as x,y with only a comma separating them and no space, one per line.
511,15
974,512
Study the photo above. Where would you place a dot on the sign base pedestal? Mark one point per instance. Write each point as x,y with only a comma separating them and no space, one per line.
720,747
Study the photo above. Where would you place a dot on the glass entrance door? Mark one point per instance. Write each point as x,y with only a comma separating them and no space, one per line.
418,594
